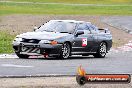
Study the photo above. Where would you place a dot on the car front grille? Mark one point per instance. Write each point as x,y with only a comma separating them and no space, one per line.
30,40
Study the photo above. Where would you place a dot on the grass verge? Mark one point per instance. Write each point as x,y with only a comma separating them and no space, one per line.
6,42
22,8
80,1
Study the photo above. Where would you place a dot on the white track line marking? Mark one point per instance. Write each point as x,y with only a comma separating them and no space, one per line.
17,66
8,56
126,47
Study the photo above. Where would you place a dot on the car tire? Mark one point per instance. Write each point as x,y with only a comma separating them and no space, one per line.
65,51
101,52
22,56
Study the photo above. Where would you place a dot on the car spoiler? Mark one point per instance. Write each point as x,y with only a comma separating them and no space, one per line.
106,30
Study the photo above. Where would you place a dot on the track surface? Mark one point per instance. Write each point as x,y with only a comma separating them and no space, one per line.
115,62
121,22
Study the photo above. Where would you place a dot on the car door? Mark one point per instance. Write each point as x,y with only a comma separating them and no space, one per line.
94,34
84,42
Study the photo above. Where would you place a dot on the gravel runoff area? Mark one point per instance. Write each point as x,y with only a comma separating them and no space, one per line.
17,24
53,82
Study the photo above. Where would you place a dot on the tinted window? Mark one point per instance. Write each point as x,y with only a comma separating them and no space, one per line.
93,29
83,27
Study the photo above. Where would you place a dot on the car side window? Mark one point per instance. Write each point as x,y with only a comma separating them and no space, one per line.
83,27
93,29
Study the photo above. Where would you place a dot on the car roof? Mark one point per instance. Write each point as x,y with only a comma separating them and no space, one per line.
72,21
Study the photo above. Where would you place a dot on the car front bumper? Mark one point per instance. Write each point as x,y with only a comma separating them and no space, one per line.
37,49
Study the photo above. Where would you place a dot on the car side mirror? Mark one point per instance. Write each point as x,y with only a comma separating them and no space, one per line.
79,33
35,28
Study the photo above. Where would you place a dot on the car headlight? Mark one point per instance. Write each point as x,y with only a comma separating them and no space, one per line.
18,39
48,42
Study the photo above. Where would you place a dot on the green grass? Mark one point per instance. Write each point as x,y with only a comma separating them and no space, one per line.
15,8
6,42
81,1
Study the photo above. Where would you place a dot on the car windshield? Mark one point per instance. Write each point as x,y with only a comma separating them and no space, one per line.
58,26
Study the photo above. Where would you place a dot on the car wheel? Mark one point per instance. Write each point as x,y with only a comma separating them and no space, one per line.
101,51
65,52
22,56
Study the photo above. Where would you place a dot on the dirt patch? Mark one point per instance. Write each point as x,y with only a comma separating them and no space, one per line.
16,24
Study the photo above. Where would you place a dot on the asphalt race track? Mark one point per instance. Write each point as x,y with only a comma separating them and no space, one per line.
121,22
115,62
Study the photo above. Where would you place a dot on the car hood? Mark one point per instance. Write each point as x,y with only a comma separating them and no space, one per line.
43,35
